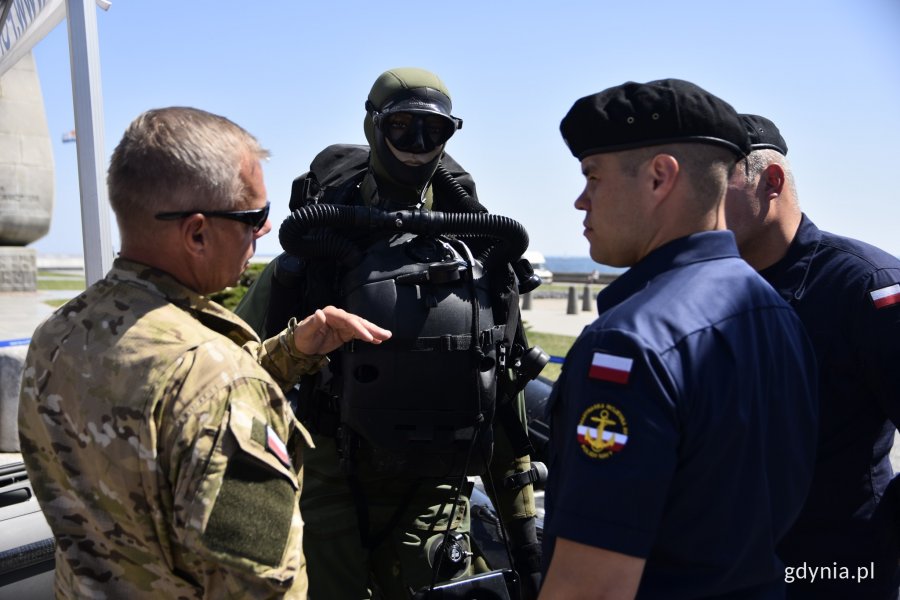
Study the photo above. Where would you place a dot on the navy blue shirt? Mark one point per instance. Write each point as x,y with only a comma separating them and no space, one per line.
847,295
683,424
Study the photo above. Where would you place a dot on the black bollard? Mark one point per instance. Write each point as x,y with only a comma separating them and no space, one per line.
526,301
572,308
586,304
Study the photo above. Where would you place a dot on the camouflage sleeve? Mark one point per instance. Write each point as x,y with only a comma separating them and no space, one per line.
281,359
227,451
514,504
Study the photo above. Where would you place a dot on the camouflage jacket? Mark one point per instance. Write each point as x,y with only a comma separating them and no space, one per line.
159,443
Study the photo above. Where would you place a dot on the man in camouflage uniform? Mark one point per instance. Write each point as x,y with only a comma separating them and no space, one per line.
152,420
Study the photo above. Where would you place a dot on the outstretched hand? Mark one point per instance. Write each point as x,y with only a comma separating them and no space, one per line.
328,328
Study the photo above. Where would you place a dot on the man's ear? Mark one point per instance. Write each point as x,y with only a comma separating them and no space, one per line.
195,234
773,180
663,173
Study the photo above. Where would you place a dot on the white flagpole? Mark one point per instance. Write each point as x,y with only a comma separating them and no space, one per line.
87,100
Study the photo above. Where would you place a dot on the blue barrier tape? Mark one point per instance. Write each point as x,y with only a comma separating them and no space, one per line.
18,342
25,341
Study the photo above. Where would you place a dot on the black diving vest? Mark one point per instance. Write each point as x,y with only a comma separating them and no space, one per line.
422,403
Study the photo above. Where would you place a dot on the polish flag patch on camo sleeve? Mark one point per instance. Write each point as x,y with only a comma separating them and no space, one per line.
277,447
609,367
886,296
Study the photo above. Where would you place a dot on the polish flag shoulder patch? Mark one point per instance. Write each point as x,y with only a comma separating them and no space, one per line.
886,296
610,367
277,447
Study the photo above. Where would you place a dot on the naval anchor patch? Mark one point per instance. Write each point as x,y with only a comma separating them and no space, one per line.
602,431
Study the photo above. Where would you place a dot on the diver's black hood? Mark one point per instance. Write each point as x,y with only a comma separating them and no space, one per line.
411,90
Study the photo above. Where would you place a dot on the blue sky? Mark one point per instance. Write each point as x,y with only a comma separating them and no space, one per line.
296,75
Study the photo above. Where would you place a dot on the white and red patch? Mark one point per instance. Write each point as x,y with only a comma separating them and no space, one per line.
609,367
277,447
588,434
886,296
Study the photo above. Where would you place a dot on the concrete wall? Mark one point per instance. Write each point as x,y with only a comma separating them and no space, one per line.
26,157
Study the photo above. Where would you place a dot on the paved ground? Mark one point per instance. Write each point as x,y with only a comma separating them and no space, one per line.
22,312
549,315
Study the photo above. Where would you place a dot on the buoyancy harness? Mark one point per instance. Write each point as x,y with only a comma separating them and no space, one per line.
415,405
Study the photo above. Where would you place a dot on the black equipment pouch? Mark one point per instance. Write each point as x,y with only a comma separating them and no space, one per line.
502,584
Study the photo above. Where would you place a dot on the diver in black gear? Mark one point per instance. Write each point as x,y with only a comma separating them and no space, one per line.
368,528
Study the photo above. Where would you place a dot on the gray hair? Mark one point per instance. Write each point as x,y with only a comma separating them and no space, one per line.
179,158
757,161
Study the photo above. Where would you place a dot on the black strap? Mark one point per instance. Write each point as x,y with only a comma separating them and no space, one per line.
438,343
509,418
435,569
507,413
492,490
519,480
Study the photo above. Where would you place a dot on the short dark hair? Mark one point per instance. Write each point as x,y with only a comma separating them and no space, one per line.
707,167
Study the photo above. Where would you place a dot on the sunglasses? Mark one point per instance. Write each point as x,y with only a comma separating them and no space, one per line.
255,218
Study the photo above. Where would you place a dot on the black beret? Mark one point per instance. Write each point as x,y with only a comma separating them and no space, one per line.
634,115
763,134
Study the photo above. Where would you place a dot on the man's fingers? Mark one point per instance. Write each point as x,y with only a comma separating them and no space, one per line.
349,326
317,319
352,327
373,332
328,328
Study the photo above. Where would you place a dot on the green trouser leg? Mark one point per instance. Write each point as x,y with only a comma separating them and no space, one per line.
338,564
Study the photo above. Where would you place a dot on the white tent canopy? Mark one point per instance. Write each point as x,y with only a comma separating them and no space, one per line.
23,23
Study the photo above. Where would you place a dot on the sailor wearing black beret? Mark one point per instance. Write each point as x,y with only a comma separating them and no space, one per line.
683,426
763,134
634,115
847,293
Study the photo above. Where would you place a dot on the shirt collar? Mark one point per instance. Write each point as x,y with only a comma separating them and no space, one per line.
158,282
694,248
804,243
790,274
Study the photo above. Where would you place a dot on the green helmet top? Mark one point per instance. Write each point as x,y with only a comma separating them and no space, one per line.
409,82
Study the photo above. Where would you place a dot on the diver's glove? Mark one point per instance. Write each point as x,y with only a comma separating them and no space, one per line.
526,553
